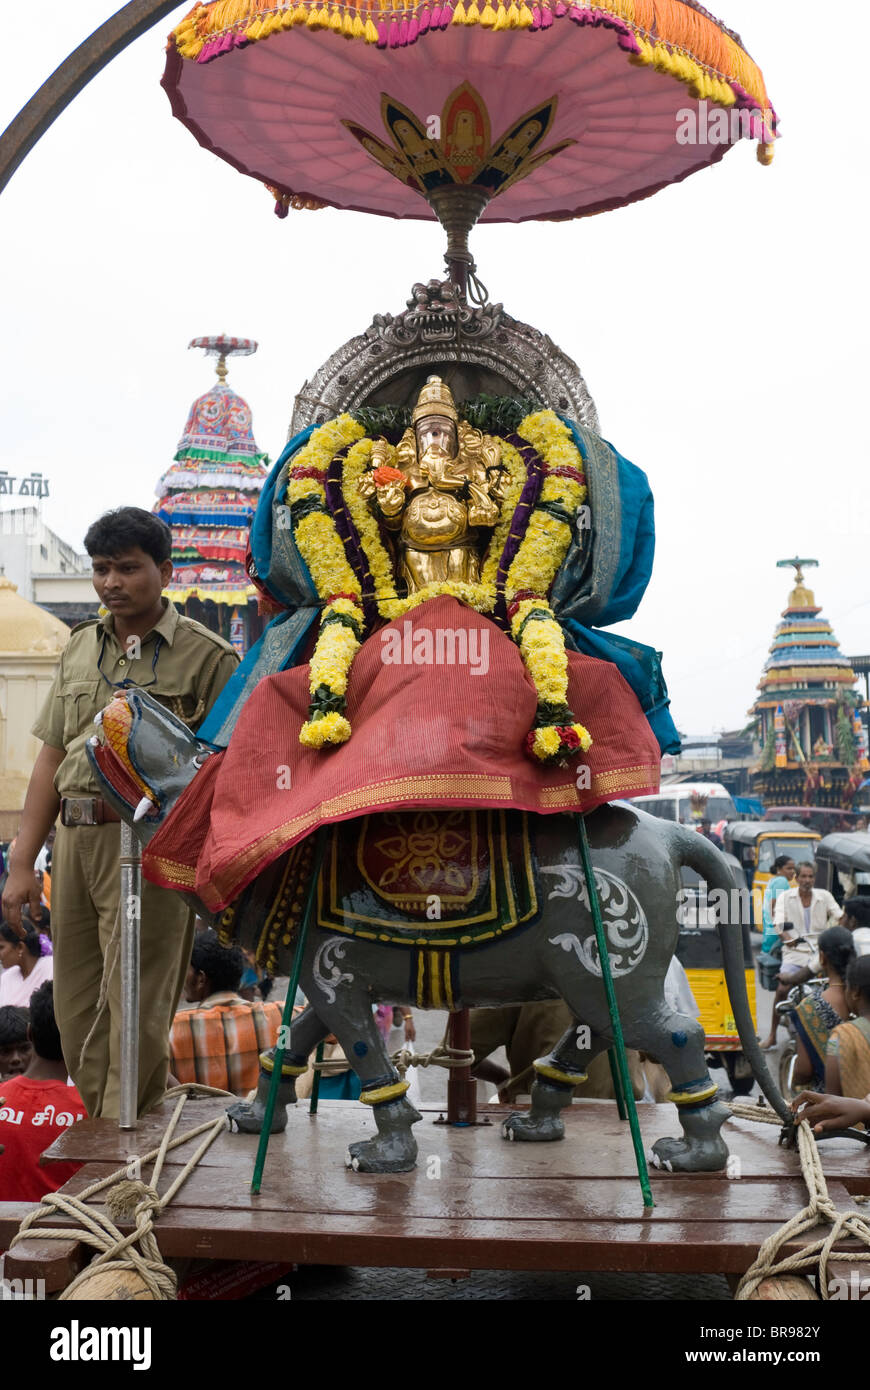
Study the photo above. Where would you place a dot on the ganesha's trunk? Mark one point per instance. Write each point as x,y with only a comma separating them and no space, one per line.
705,859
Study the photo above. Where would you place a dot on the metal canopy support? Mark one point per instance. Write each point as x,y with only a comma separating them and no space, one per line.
74,73
131,919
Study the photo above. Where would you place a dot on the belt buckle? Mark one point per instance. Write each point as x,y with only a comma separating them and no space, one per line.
80,810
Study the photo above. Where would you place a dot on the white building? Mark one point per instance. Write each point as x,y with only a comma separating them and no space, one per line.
30,550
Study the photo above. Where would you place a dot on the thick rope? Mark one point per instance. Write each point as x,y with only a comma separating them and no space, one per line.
128,1199
440,1056
820,1210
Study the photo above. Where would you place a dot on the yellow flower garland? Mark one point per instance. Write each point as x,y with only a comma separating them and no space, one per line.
533,570
321,548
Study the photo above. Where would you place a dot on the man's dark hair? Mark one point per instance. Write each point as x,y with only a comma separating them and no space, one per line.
858,977
805,864
30,940
839,949
13,1025
43,1028
859,910
125,528
221,965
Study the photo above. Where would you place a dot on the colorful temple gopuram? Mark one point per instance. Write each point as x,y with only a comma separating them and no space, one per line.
208,497
813,740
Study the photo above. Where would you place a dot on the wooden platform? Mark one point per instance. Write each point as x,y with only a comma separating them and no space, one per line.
473,1202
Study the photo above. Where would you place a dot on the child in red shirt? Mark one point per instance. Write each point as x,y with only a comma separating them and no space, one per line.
35,1108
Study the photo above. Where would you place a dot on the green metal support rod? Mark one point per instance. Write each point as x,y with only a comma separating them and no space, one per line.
278,1059
618,1040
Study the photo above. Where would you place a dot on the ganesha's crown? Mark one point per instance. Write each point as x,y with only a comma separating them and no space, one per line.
436,398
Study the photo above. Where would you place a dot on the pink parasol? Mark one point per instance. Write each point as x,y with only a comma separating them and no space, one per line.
532,110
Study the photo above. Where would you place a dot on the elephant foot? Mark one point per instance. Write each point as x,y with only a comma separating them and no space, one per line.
246,1117
394,1148
538,1130
701,1150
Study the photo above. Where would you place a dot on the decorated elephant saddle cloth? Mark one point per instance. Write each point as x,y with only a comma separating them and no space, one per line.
417,878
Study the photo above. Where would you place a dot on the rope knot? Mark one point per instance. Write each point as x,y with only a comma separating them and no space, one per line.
130,1198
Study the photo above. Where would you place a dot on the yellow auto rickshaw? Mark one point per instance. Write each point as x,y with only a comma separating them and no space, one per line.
756,844
700,952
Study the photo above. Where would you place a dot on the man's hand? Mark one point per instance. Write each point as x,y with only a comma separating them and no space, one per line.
830,1112
41,805
22,886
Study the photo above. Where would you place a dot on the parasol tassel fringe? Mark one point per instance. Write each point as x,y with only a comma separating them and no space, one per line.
674,37
459,15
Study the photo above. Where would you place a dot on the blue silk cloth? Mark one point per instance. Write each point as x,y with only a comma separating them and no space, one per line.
602,581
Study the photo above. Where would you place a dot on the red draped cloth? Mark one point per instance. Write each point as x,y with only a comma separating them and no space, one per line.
423,735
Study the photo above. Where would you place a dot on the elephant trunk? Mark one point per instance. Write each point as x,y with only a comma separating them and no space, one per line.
705,859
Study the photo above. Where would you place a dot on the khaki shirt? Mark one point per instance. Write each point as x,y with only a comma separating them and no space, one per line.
192,667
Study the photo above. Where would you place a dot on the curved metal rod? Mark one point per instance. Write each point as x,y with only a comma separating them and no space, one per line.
74,73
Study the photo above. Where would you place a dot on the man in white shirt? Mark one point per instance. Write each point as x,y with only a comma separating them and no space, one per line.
801,915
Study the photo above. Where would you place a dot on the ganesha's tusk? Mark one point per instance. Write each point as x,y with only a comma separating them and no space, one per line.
98,717
145,805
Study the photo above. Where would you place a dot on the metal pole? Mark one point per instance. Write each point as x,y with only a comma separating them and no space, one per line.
315,1081
131,918
461,1085
618,1049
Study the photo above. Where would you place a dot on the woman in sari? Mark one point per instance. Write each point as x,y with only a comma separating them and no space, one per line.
847,1069
821,1012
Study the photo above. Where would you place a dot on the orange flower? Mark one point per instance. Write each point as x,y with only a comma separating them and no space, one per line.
384,474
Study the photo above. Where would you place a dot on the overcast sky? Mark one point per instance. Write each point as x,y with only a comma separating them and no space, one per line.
721,325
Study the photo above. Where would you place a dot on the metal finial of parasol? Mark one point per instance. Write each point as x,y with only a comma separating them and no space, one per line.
222,347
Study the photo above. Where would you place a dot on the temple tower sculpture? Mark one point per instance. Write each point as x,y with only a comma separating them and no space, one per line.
208,497
813,747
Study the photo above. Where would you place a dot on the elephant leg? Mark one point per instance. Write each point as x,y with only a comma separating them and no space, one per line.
393,1149
246,1117
677,1042
556,1075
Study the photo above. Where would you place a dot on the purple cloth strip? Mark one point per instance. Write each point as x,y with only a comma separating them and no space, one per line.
528,497
356,556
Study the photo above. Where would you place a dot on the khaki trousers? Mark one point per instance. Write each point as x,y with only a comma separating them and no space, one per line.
85,928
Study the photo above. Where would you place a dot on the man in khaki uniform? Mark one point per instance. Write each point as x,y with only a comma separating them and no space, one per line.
141,641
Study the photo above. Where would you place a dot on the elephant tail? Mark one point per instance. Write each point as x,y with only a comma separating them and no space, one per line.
699,854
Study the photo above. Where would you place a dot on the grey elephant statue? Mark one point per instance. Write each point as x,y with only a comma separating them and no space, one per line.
534,941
